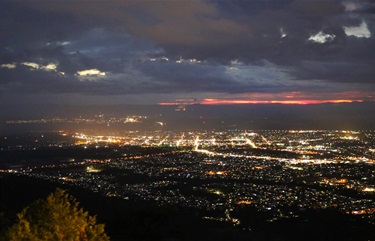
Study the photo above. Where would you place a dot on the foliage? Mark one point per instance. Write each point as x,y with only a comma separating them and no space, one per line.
56,218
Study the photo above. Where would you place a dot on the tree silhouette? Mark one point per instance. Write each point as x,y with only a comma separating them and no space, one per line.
56,218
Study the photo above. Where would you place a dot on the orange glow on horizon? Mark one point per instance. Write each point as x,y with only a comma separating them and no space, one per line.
285,102
246,102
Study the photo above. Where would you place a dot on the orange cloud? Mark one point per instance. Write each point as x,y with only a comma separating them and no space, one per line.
284,102
254,102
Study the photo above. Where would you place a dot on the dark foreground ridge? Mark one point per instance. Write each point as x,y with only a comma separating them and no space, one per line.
141,221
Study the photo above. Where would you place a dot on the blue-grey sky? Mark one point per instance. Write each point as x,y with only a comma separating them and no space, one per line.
152,51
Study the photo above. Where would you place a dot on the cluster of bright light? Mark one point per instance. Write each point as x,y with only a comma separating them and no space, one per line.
134,119
369,189
92,169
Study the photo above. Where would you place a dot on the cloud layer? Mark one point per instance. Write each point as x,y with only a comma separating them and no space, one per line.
163,50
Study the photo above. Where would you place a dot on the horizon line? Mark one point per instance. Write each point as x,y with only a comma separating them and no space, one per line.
258,102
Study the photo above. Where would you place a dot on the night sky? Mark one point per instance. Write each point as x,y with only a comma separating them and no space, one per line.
251,52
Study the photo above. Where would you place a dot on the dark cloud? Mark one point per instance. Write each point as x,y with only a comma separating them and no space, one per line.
340,72
238,47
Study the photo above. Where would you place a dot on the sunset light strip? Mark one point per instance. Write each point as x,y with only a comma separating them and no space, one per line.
284,102
247,102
